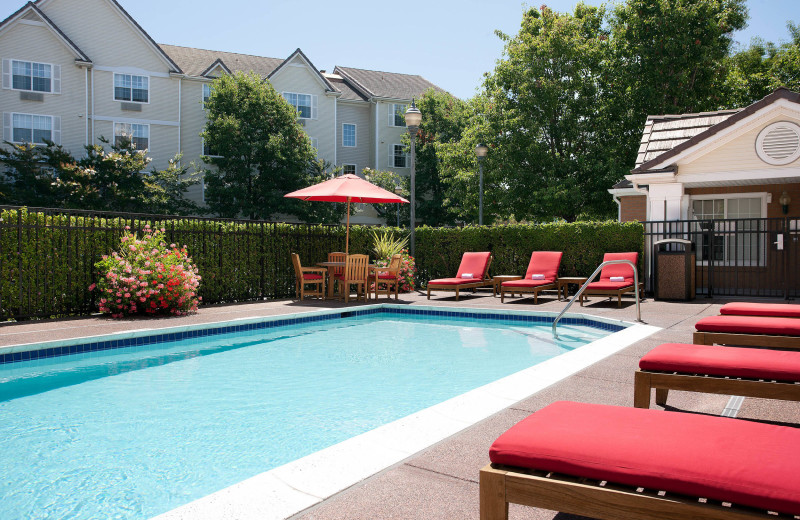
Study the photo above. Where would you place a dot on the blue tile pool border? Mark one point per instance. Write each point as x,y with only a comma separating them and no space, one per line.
29,352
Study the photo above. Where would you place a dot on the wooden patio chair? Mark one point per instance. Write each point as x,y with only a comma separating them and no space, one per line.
356,272
615,279
541,275
308,275
333,272
472,273
388,276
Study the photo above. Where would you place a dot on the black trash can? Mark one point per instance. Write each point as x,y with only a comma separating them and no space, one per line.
674,269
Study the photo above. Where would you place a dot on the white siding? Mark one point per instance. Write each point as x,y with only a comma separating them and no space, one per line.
388,135
358,115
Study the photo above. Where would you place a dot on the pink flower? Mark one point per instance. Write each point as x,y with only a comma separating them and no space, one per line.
91,287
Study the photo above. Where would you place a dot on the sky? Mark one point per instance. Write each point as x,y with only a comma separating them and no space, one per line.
451,43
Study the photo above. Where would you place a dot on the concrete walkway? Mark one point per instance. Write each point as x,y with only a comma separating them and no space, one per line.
442,481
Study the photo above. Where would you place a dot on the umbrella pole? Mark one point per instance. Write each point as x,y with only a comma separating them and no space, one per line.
347,236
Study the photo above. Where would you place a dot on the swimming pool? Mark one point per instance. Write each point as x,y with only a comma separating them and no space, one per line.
158,421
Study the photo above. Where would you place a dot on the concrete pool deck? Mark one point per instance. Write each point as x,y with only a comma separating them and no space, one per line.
441,482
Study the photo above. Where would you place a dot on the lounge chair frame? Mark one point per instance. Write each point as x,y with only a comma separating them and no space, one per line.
501,485
746,340
612,292
535,290
663,382
459,287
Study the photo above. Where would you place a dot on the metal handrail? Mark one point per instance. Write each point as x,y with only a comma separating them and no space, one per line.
589,280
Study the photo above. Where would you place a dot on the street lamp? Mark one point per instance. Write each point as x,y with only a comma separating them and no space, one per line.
413,119
480,151
398,190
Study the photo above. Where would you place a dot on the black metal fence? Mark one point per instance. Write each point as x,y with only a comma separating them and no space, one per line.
47,256
735,257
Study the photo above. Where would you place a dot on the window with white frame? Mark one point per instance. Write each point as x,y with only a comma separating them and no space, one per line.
128,87
737,235
397,156
31,128
349,168
305,104
397,115
32,76
348,135
209,150
206,93
138,134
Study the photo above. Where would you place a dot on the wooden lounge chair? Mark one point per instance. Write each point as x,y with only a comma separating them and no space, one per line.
775,310
472,273
748,331
541,275
307,275
620,463
751,372
615,279
388,276
355,273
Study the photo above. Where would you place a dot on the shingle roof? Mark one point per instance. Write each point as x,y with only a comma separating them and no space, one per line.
195,62
348,93
386,84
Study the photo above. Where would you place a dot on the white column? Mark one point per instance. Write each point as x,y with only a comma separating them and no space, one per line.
666,201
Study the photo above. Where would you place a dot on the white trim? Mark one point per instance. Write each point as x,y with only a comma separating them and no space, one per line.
114,88
778,125
355,168
335,119
377,141
36,10
392,111
32,22
314,72
136,121
355,135
312,106
735,178
392,156
134,71
52,127
52,76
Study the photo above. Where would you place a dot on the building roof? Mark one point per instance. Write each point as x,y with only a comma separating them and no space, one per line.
197,62
348,93
666,136
391,85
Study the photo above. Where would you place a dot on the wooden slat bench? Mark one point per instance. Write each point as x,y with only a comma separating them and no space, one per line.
770,374
748,331
619,463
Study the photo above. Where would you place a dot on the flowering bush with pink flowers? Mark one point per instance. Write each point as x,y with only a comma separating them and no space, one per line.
147,277
407,270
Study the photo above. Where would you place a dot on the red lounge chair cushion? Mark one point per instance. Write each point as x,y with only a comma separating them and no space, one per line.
475,264
749,325
546,263
623,270
454,281
754,363
527,283
608,286
743,462
387,276
785,310
312,276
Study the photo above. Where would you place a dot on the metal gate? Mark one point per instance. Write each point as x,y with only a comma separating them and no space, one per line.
736,257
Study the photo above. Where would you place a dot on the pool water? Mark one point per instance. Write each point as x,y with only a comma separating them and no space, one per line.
134,432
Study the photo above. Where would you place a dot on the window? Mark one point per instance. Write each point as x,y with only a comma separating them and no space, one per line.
131,88
139,135
397,156
349,168
315,144
206,93
209,151
397,115
31,128
736,242
348,135
27,75
305,104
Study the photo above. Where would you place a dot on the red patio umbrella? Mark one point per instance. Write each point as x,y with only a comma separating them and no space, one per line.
346,188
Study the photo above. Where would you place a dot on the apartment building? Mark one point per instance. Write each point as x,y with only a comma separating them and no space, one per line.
74,71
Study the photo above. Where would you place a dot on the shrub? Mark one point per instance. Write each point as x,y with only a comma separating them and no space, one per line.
147,277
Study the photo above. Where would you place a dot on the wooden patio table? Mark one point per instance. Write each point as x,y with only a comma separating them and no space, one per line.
333,265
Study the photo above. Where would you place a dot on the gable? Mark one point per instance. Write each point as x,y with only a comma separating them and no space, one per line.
31,23
298,71
130,46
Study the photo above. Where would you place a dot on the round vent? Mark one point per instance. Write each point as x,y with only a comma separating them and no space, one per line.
779,143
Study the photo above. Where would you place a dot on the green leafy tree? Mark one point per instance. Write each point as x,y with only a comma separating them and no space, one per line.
444,119
313,212
166,189
263,153
394,183
30,172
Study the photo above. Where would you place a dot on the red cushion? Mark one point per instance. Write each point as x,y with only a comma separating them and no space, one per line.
454,281
474,263
723,361
623,270
749,325
387,276
310,276
527,283
719,458
544,262
786,310
609,286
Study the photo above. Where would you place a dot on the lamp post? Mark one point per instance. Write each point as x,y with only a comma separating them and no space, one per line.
413,119
398,190
480,151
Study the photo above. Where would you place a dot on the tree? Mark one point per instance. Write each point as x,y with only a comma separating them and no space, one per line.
263,153
30,173
314,212
394,183
444,119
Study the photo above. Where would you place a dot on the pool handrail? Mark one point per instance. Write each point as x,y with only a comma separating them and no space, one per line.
589,280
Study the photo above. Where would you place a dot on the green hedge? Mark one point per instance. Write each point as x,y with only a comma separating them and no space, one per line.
47,257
